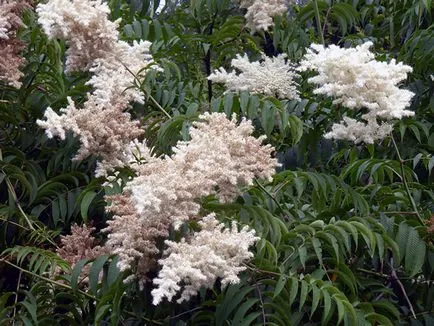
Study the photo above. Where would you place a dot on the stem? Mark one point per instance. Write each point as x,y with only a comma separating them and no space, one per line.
392,32
394,277
270,195
183,313
29,222
318,21
264,319
149,96
15,197
367,271
13,223
404,181
325,21
207,58
48,280
207,61
154,101
400,213
16,298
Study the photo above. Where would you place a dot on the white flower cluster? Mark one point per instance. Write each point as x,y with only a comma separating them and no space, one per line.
220,157
357,81
260,13
269,76
212,253
358,132
93,45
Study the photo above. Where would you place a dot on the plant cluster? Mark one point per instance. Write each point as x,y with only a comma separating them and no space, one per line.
247,162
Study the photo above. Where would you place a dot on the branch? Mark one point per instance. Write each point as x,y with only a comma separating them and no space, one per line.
318,21
404,181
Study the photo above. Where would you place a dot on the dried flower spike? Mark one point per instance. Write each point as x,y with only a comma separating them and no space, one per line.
10,45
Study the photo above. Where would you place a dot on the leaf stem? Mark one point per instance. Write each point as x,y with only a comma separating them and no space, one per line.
15,197
270,195
149,96
47,279
26,217
318,21
154,101
13,223
394,277
264,319
367,271
16,298
404,181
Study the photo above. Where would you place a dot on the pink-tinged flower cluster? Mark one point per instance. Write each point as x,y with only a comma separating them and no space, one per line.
101,123
10,45
78,245
220,157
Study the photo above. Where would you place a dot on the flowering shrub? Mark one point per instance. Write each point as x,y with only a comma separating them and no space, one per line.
216,162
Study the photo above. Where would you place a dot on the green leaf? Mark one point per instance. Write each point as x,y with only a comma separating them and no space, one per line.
302,253
95,271
294,290
316,296
327,304
101,312
303,293
76,272
415,253
296,126
85,203
318,250
240,315
280,285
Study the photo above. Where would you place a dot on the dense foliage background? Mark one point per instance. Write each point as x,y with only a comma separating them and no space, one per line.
341,240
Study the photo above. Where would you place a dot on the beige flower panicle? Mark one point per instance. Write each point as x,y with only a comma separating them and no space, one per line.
260,13
272,76
215,252
357,81
101,124
84,26
10,45
220,157
132,239
102,131
80,244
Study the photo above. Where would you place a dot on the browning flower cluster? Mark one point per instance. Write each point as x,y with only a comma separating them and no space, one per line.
132,239
10,45
102,125
80,244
